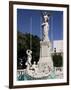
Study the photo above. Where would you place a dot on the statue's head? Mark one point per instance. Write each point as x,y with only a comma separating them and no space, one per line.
46,16
28,52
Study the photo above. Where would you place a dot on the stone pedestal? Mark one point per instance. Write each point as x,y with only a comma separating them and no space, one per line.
44,67
45,48
45,61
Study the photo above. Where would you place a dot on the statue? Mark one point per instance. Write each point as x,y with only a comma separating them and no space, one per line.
44,67
35,67
29,58
45,26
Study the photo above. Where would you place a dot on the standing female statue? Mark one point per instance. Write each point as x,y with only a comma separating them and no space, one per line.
45,26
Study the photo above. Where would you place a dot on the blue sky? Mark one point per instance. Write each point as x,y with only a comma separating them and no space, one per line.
29,21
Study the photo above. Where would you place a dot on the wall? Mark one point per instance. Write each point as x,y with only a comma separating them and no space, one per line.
4,44
58,44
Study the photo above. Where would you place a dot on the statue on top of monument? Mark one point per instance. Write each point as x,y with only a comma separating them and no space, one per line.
45,26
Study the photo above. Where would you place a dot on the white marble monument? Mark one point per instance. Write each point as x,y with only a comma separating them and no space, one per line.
45,61
45,65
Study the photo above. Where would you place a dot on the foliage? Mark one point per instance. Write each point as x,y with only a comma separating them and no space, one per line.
57,60
27,41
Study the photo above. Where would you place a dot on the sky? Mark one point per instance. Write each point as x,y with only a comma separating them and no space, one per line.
29,21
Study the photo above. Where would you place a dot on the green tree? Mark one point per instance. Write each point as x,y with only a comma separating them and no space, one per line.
24,42
57,60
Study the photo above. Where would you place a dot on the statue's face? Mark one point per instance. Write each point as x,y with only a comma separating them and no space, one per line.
46,18
29,52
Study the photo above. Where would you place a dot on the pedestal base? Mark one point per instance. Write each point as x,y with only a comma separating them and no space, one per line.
45,62
44,67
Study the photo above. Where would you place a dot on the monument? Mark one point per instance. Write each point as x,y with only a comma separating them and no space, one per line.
44,67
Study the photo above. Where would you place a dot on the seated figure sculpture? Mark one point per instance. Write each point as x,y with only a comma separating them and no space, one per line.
35,67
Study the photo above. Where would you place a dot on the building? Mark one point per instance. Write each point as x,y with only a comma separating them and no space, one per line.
58,46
